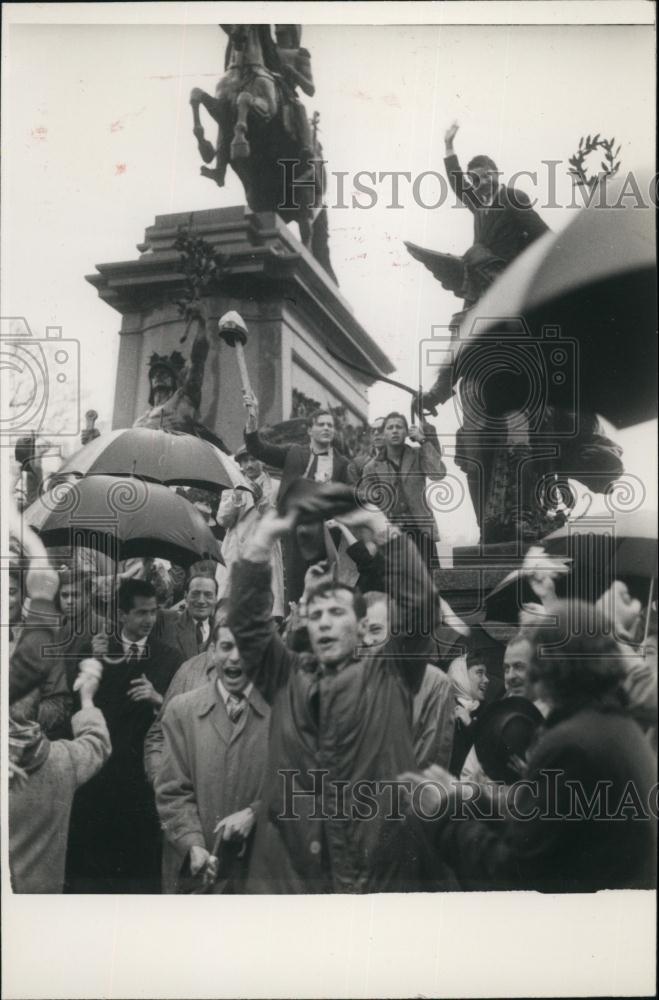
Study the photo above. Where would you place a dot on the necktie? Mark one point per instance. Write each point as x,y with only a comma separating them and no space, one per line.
199,628
235,707
312,467
133,653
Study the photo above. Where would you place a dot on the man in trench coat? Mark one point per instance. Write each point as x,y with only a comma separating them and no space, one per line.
215,740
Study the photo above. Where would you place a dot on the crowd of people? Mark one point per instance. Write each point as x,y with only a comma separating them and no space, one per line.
310,731
311,715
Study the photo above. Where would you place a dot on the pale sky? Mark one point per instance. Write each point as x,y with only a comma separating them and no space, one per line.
97,134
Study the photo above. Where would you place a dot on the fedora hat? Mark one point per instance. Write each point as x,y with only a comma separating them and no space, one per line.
507,727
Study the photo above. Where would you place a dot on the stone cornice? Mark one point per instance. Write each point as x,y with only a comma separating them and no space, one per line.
261,259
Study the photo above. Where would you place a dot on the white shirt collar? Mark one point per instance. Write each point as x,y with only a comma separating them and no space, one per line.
127,643
225,695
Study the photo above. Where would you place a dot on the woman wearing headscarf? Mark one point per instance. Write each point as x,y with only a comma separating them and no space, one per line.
470,681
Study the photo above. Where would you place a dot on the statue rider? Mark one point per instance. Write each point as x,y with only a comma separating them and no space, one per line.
290,64
295,72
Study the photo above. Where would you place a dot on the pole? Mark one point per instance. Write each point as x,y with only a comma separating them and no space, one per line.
649,611
242,365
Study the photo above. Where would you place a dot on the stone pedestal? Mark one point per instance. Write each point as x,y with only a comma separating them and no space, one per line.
293,312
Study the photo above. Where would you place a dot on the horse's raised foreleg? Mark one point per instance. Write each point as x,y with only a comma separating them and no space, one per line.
262,99
200,97
240,148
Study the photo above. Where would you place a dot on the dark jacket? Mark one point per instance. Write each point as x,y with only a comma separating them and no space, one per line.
509,226
178,629
401,493
354,724
293,460
589,750
74,641
370,566
114,844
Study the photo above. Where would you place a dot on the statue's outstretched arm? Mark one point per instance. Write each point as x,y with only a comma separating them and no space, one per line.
195,377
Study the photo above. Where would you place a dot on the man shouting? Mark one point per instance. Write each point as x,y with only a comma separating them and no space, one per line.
340,725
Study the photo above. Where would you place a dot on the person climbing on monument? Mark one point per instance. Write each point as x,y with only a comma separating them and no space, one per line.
396,478
505,224
319,460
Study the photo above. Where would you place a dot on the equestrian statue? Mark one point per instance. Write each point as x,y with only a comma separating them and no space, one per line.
262,123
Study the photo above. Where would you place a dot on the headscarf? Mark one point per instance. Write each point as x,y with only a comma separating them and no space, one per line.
458,673
28,747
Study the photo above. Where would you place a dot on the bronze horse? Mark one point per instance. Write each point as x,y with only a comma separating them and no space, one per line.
254,107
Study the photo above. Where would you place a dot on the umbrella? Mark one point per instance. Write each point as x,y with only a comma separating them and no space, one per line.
599,549
571,322
123,517
624,545
158,456
505,601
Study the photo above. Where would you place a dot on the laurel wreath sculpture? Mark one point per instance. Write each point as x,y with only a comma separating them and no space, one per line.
610,164
201,266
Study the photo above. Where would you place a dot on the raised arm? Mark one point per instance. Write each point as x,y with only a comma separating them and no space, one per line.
431,451
407,582
269,453
90,747
456,178
267,660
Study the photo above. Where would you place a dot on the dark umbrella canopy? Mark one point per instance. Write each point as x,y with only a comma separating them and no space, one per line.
123,518
599,550
620,546
157,456
571,322
505,601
